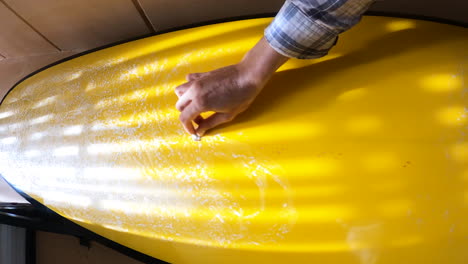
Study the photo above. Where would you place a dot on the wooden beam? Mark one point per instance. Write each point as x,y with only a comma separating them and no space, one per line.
82,24
17,38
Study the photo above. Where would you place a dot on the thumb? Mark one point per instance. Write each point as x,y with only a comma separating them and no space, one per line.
213,121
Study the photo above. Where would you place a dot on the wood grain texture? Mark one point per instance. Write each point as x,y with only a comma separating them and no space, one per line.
57,249
455,10
166,14
13,70
82,24
144,16
17,38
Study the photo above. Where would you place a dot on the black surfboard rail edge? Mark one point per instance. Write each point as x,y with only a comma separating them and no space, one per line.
53,222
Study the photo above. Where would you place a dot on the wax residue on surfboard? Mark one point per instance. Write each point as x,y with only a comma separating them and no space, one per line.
172,196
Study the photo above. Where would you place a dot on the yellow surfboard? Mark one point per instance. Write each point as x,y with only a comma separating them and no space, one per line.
357,157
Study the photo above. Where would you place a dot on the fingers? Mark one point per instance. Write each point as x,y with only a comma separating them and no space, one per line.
198,120
213,121
181,89
187,115
184,100
190,113
191,110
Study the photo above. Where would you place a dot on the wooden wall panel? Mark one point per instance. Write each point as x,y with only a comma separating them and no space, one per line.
78,24
14,69
165,14
456,10
59,249
17,38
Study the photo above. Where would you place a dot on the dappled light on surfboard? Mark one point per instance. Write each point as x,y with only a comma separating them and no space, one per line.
357,157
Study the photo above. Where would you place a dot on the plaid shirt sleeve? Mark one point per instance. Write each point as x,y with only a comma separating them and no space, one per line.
307,29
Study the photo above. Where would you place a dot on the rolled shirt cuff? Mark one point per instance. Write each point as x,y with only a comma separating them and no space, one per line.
293,34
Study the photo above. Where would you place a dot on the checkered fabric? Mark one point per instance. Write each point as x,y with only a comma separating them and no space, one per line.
307,29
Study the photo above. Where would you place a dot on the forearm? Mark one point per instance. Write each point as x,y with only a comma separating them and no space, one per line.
261,62
302,29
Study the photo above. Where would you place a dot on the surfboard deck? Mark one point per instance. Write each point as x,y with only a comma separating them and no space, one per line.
357,157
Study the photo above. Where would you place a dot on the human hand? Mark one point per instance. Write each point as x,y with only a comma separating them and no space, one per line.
226,91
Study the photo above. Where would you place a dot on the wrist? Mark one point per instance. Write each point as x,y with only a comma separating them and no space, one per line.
260,63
